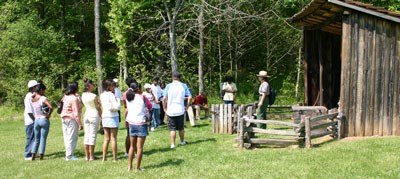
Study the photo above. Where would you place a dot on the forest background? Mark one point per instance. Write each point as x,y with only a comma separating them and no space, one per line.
205,40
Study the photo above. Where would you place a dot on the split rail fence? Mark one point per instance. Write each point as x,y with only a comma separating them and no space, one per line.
286,125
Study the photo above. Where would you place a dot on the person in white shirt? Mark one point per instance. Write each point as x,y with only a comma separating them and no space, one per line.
91,118
157,91
137,105
174,106
150,95
230,90
110,106
263,91
29,119
118,95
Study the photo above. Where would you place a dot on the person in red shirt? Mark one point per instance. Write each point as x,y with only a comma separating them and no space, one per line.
200,103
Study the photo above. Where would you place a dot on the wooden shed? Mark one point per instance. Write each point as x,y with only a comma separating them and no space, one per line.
352,56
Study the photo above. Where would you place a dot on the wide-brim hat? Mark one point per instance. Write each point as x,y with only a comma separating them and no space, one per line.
32,83
263,74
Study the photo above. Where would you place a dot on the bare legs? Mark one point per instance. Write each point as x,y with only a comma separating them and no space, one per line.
89,152
138,143
173,136
110,134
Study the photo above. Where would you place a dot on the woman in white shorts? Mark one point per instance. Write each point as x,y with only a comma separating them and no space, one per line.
110,117
91,118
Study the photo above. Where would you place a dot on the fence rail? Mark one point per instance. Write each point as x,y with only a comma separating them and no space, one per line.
316,123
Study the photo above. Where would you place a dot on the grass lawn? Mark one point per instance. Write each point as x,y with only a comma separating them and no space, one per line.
207,155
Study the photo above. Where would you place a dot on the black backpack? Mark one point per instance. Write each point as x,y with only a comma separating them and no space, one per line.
272,96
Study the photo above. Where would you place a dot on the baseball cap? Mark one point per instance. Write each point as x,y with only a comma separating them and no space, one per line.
147,85
115,80
32,83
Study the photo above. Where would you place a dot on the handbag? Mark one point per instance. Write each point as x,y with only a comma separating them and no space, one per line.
147,112
45,109
60,106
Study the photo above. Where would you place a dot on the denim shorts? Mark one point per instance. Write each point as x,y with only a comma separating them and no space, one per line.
138,130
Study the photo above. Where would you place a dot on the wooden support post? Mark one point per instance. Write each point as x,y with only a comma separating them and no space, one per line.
213,117
308,131
242,127
339,128
230,119
221,119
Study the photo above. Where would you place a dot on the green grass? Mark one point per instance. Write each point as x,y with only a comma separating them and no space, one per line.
207,155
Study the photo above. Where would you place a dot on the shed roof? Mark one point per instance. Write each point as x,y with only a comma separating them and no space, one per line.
327,14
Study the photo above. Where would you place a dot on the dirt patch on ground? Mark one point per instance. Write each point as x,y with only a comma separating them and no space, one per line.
350,139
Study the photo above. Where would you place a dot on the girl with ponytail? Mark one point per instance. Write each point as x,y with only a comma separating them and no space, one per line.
137,106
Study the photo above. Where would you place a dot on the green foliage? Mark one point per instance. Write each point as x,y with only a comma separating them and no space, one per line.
393,5
29,52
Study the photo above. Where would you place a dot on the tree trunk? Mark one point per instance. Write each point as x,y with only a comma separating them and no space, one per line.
298,70
172,44
219,56
64,32
201,46
172,19
97,44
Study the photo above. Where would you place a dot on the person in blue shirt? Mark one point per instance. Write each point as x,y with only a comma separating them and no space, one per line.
174,106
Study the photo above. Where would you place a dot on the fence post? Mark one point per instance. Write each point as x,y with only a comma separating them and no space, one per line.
221,119
212,117
230,119
339,126
307,125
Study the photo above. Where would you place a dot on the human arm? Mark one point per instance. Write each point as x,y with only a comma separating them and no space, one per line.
148,103
189,99
48,104
164,103
115,103
263,92
75,112
29,107
260,103
97,104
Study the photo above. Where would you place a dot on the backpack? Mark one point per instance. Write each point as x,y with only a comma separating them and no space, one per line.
272,96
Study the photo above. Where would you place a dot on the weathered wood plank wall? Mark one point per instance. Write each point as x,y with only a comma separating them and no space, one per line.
370,86
322,47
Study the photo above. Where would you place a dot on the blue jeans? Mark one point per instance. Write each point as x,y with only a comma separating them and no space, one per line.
156,118
42,127
229,102
30,138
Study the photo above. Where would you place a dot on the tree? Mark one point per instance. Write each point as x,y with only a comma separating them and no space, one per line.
172,15
201,46
97,33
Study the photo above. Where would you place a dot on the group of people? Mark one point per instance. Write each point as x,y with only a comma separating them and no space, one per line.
143,110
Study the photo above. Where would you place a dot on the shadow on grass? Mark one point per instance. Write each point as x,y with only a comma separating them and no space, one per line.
202,125
60,154
166,149
202,140
173,162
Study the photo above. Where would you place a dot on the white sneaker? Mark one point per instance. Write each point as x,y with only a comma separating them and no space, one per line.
28,158
183,143
73,158
172,147
152,129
